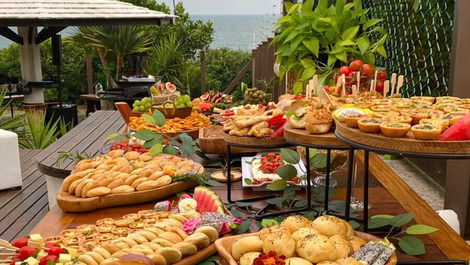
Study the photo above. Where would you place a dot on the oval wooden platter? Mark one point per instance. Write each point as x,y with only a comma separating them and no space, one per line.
70,203
300,136
255,142
404,144
224,247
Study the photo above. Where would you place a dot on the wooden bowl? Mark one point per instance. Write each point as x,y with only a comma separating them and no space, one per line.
224,247
169,109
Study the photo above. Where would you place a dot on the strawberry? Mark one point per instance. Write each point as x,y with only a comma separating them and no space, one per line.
20,242
26,252
48,258
50,245
15,260
55,251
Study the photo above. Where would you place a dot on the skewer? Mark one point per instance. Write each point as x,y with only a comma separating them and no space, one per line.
393,83
314,84
375,81
371,86
353,89
358,77
343,83
6,244
306,91
386,87
401,80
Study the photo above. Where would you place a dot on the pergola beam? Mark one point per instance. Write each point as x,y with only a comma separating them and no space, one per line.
46,33
11,35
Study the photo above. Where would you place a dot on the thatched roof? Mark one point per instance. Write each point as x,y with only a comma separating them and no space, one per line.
62,13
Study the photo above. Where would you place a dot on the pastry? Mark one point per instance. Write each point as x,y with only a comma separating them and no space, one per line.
369,125
122,189
295,222
163,242
170,236
282,244
330,225
318,120
99,191
303,232
444,124
147,234
209,231
157,259
394,129
426,131
316,248
297,261
271,230
349,261
351,118
342,246
245,245
401,119
356,242
249,257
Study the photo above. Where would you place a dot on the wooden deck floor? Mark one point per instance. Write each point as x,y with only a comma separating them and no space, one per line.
22,209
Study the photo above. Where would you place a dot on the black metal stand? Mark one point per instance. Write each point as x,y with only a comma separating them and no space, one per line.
260,214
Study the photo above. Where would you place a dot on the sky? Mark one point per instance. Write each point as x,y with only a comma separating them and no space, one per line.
229,7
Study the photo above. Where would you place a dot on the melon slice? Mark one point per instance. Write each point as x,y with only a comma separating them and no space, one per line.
460,131
207,200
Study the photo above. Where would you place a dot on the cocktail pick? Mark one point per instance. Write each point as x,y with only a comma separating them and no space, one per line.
6,244
386,88
393,82
375,81
343,83
401,80
358,78
307,89
353,90
371,86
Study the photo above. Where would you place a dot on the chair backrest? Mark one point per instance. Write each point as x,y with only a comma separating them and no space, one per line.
125,110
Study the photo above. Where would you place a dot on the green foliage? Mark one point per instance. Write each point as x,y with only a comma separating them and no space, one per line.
10,61
339,33
74,157
167,60
222,67
150,4
410,244
14,124
40,134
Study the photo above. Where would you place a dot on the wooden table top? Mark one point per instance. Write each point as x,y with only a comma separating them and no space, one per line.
382,203
88,136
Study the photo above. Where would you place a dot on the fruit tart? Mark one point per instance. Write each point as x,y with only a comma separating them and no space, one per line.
394,129
426,131
369,125
444,124
318,119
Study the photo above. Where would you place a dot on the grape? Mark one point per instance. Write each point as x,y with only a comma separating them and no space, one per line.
141,108
186,98
179,106
137,103
189,104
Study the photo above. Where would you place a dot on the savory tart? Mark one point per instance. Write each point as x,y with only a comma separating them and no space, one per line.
318,120
394,129
446,98
426,131
369,125
424,98
381,108
444,124
437,114
401,119
452,117
417,115
383,101
352,118
383,114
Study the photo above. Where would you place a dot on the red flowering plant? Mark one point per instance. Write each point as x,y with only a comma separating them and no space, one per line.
270,259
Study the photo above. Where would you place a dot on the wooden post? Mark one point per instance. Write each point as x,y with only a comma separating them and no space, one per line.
31,63
89,73
457,184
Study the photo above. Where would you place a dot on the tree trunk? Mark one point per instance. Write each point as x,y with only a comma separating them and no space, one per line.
119,65
202,57
104,62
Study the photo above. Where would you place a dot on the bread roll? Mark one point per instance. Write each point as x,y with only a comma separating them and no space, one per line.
79,188
316,248
356,242
163,181
128,241
171,236
132,155
295,222
131,178
245,245
186,248
87,259
173,222
144,249
157,259
163,242
110,247
329,263
171,255
272,230
303,232
138,181
116,183
154,230
108,261
147,234
297,261
147,185
282,244
249,258
330,225
153,246
122,189
99,191
137,238
342,246
103,252
180,232
199,239
97,257
210,232
73,186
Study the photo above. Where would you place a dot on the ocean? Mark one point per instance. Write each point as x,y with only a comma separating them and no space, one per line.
243,32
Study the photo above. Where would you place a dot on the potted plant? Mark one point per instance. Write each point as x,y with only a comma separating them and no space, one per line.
315,40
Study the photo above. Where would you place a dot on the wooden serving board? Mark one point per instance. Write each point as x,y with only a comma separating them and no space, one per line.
256,142
224,247
303,137
211,141
70,203
404,144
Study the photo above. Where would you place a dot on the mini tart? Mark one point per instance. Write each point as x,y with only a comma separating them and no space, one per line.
426,131
448,107
465,100
351,119
452,118
437,114
401,119
394,129
381,108
444,124
424,98
369,125
446,98
417,115
421,103
383,101
404,105
383,114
